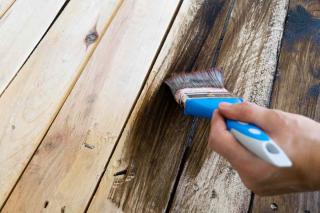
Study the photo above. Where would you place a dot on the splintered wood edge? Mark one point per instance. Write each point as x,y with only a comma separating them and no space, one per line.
156,77
22,27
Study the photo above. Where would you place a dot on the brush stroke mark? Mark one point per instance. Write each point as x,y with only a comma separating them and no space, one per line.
301,26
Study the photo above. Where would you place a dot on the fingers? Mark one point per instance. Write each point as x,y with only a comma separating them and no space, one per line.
248,112
223,142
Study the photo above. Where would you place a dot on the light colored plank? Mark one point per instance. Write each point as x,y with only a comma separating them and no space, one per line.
32,101
248,56
21,28
144,167
73,155
4,6
297,89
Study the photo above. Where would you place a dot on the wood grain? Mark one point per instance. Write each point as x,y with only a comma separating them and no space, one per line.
65,170
21,28
142,171
5,6
297,89
31,102
248,56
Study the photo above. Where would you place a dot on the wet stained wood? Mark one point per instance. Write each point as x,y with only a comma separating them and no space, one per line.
248,57
297,89
142,171
33,99
21,28
5,6
64,171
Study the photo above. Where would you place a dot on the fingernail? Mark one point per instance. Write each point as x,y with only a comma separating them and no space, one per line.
224,105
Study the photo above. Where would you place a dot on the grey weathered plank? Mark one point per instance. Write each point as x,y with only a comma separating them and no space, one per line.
297,89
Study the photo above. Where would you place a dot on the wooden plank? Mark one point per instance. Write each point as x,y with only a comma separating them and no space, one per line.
297,89
142,171
5,5
65,170
21,28
31,102
249,57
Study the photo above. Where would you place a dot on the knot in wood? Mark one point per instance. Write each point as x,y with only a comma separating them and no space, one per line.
91,38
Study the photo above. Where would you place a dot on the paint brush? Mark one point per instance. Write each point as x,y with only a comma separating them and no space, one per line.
200,93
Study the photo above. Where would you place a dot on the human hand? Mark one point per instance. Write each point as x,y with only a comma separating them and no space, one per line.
297,135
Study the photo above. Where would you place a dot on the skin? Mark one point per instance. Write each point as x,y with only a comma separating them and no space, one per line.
297,135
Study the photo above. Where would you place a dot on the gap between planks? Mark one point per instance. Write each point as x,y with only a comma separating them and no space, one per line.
22,27
192,131
5,5
135,103
82,67
51,144
79,59
5,87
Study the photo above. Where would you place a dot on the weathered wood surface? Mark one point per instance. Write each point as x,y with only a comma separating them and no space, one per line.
249,57
21,28
140,160
297,89
142,171
5,6
31,102
64,171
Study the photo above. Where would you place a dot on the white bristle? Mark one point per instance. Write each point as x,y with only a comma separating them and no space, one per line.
197,85
205,79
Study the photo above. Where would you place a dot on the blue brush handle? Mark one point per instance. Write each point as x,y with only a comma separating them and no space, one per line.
249,135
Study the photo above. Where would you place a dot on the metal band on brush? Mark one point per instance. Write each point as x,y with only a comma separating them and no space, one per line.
183,94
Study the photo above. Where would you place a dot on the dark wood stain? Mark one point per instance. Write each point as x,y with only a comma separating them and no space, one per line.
157,141
299,64
301,25
248,34
297,90
314,91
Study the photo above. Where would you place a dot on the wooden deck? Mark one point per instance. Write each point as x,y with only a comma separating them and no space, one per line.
88,125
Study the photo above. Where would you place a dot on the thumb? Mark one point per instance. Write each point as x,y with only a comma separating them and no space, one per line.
251,113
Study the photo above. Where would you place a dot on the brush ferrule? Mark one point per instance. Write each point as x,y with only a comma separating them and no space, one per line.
183,94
